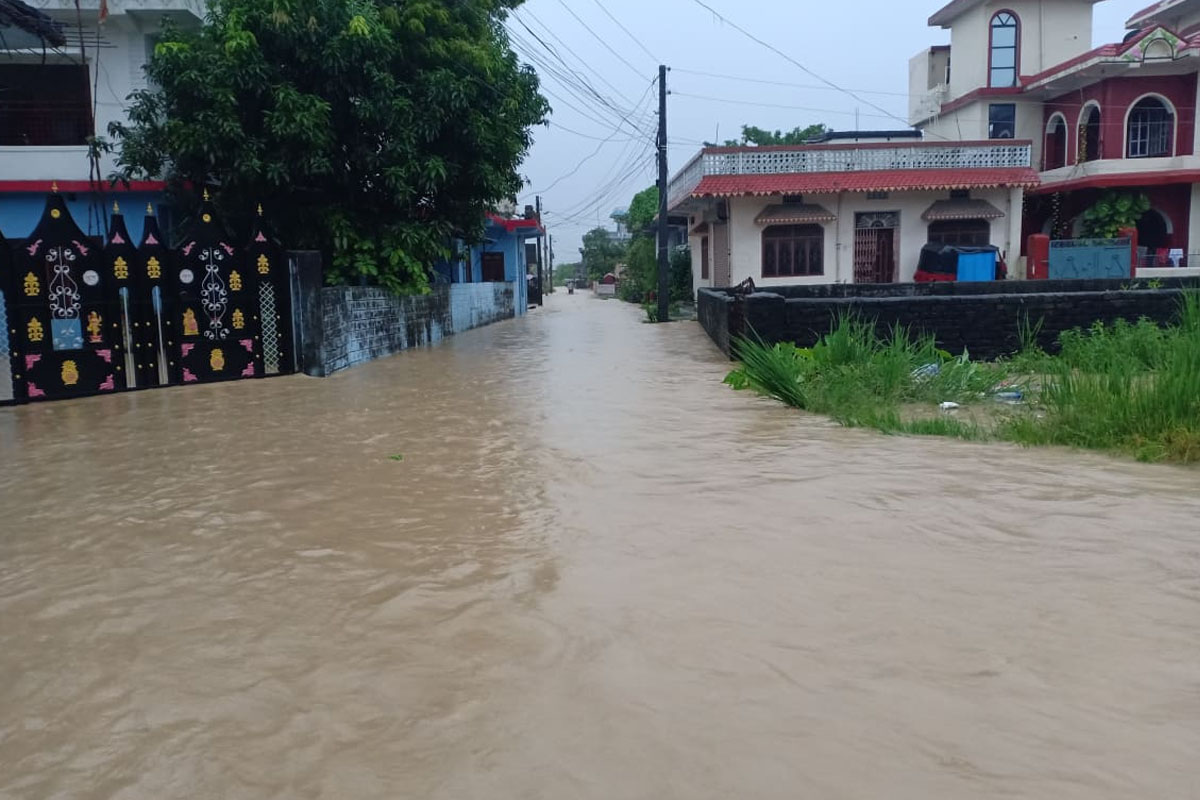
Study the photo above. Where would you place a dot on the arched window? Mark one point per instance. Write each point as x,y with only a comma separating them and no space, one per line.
1056,143
793,250
1089,135
1003,57
1151,129
961,232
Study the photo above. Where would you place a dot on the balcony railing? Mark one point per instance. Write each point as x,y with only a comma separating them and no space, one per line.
789,161
44,124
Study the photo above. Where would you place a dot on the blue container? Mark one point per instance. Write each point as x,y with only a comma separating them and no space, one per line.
977,266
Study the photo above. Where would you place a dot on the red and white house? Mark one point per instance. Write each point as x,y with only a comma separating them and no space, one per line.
851,210
1117,117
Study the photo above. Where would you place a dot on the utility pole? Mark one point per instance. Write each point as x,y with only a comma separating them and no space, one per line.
550,259
541,237
664,260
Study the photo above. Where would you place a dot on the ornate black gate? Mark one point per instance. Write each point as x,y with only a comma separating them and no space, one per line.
215,311
6,284
266,259
80,317
119,260
153,319
68,339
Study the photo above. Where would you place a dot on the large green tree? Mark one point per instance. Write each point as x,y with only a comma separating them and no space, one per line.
372,130
640,282
602,252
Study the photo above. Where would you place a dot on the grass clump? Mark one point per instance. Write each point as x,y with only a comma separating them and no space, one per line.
1127,387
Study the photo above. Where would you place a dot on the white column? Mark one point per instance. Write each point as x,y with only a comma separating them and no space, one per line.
1195,129
1012,251
1193,245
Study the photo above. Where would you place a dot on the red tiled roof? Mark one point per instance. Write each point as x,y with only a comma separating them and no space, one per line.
1103,51
896,180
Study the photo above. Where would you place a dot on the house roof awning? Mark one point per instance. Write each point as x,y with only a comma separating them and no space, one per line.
895,180
795,214
948,210
516,224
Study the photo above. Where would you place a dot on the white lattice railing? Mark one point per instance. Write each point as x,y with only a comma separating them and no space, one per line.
773,161
686,181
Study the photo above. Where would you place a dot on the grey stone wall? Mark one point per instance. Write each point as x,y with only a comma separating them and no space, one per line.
975,320
344,326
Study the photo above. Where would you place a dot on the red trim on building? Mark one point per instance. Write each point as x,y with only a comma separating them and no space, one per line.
79,186
1103,51
866,181
982,94
516,224
1165,178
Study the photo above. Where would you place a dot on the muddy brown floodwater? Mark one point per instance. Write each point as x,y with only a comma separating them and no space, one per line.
596,573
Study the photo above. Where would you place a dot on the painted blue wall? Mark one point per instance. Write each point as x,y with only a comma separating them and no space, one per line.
512,245
20,211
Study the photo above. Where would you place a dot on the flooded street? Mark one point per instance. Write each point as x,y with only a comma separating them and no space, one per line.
595,573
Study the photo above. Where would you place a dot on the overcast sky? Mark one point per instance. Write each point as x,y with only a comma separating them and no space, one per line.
861,45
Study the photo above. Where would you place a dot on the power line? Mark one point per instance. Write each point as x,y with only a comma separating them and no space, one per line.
559,126
596,152
598,38
577,86
794,62
628,33
557,56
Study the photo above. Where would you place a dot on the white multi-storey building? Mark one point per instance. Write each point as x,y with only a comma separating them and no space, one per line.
53,99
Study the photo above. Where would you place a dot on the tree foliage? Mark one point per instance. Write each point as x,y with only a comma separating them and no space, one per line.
602,252
640,281
1114,211
373,130
643,210
759,137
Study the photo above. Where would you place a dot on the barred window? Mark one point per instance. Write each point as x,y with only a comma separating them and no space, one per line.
793,251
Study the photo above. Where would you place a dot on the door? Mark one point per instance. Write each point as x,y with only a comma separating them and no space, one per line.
876,240
722,269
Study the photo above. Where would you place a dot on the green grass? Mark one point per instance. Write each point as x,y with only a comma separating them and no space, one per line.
1129,388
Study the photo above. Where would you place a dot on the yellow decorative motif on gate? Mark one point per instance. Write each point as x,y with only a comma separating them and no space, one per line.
235,281
217,360
34,330
93,327
190,328
33,287
239,319
264,266
153,268
70,373
120,269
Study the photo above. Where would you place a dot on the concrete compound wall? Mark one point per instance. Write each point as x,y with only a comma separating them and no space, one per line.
343,326
981,318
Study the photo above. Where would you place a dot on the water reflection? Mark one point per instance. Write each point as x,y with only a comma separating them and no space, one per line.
596,573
